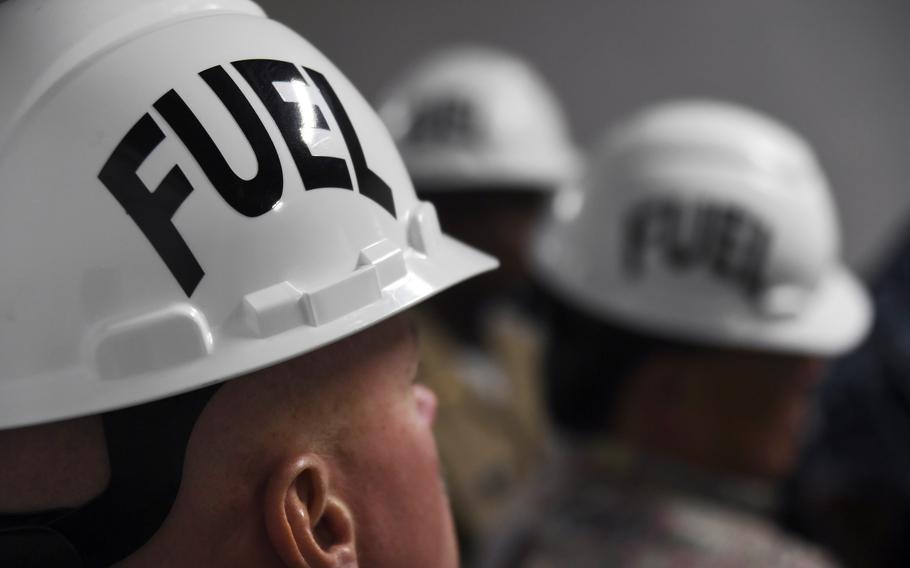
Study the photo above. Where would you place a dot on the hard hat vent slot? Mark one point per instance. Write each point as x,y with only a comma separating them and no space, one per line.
152,342
388,259
358,290
273,310
282,307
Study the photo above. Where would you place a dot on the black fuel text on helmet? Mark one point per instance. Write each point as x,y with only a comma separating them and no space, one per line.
727,241
153,210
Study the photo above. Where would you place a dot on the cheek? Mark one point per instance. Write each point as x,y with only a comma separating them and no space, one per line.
400,438
406,519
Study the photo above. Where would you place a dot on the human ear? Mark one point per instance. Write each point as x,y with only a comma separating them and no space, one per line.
307,525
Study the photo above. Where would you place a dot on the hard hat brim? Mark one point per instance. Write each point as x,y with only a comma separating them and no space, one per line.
67,396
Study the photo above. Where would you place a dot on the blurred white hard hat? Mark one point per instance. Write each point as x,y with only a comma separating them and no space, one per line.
190,192
478,118
709,222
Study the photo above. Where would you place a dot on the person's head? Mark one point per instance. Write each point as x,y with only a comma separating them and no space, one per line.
696,285
323,460
203,357
483,136
327,459
733,409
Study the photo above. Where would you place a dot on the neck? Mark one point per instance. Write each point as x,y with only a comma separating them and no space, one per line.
52,466
711,416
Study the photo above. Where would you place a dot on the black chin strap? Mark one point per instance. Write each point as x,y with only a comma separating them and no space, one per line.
34,546
146,447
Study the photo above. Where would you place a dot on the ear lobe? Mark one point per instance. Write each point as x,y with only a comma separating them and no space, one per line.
308,527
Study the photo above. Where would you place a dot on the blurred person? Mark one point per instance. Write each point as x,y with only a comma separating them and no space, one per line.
484,138
192,193
695,288
851,491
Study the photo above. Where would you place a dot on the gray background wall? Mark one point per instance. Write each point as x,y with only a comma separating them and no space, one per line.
834,69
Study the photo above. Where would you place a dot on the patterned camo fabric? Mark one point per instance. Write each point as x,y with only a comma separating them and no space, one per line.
490,427
611,508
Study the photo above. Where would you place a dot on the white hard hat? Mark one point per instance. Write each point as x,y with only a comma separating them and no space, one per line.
190,192
707,222
470,117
